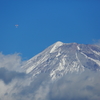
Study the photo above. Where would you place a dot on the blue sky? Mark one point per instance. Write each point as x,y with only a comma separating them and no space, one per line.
44,22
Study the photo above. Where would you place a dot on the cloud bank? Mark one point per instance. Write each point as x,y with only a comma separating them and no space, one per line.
72,86
83,86
7,76
9,67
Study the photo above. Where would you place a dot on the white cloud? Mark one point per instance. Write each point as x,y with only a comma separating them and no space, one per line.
9,70
11,61
84,86
42,90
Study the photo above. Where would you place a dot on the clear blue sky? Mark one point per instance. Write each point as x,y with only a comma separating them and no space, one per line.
43,22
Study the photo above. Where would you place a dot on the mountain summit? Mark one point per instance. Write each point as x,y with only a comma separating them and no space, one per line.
61,58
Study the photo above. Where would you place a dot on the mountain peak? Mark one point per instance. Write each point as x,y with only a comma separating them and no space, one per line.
58,42
56,45
61,58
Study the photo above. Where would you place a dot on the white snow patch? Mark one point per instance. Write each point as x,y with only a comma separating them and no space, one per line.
60,68
77,57
61,65
63,61
56,45
53,74
37,63
36,73
78,47
98,53
30,69
84,54
58,54
75,67
65,56
96,61
79,61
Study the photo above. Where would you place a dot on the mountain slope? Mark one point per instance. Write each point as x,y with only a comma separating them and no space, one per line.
61,58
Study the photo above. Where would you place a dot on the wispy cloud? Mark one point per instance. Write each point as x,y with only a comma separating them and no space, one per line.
96,42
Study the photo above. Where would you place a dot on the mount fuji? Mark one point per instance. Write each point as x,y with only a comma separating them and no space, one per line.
61,58
63,71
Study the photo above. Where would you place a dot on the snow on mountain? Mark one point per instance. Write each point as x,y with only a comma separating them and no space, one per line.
56,45
61,58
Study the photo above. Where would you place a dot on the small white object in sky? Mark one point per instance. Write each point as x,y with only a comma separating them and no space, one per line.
16,25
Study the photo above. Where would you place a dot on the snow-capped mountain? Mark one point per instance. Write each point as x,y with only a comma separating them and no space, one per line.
61,58
63,71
